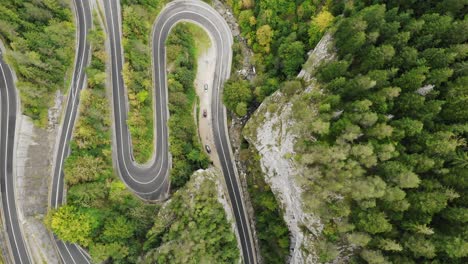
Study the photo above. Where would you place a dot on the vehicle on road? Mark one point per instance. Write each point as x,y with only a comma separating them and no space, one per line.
205,87
205,113
208,149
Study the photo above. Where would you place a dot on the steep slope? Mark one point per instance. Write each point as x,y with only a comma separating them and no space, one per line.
271,130
369,159
193,226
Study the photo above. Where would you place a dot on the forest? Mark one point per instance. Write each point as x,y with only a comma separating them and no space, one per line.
102,215
185,147
383,135
186,151
280,33
137,22
390,134
384,130
272,233
40,37
192,227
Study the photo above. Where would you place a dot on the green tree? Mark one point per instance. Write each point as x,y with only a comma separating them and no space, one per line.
102,252
377,57
365,155
358,239
235,92
380,131
389,245
82,169
372,187
413,79
428,202
291,87
374,257
457,97
74,226
246,20
351,36
442,143
264,37
456,214
420,247
407,127
241,109
333,70
373,221
454,246
292,57
118,230
39,38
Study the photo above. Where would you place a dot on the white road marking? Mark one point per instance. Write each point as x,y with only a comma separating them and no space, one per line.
160,75
219,81
62,156
73,97
5,169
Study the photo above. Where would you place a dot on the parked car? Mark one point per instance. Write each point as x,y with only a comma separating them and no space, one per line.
205,87
208,149
205,113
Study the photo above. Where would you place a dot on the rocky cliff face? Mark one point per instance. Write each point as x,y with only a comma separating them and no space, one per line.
272,130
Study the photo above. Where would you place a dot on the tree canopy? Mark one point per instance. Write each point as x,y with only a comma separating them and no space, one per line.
40,38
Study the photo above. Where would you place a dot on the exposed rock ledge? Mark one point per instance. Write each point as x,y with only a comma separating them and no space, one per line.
270,131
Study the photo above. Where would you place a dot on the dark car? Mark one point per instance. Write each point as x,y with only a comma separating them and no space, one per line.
208,149
205,113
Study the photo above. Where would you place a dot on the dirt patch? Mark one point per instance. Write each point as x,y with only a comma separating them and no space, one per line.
205,76
34,152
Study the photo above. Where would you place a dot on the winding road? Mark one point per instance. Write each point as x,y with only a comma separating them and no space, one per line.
8,109
71,253
149,181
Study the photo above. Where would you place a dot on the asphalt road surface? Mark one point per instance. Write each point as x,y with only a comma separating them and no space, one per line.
150,181
8,109
71,253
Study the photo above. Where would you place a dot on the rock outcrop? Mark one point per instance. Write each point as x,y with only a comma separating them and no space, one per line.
271,131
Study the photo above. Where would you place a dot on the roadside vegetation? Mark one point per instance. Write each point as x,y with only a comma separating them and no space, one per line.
202,41
384,138
272,232
192,227
186,150
279,33
138,17
383,134
187,154
100,214
279,38
39,36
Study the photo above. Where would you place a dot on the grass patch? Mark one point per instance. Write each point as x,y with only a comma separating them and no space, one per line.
201,38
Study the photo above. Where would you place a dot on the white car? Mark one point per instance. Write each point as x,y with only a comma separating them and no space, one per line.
208,149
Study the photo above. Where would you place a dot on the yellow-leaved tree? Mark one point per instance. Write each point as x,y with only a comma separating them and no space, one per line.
318,25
